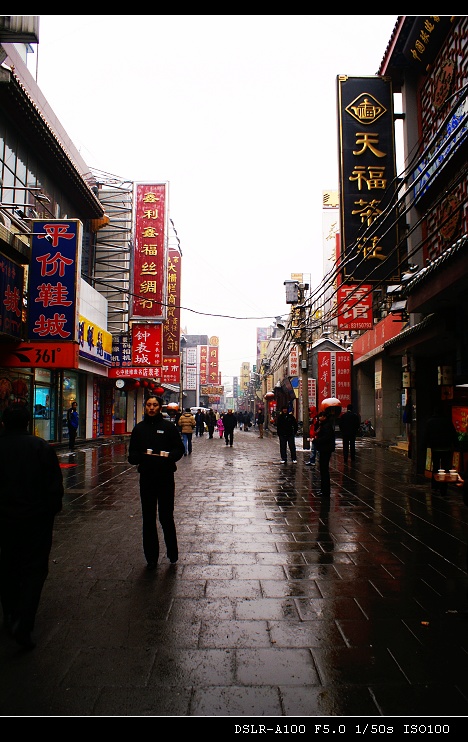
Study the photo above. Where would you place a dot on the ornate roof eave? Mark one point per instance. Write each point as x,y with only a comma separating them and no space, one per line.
18,105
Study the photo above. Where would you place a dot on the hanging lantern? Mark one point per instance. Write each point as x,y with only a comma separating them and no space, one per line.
159,390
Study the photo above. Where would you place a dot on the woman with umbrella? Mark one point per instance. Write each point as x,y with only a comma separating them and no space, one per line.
325,441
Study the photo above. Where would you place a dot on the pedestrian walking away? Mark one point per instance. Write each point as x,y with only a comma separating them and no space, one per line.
31,493
286,427
155,447
200,423
211,423
186,427
72,424
260,422
442,439
348,424
314,423
229,423
325,444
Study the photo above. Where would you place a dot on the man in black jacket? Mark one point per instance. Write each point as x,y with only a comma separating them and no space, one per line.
348,424
31,492
155,446
230,422
325,445
441,437
199,423
286,427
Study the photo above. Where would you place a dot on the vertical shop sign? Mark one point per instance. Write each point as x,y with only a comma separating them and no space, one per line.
293,362
367,173
334,376
149,254
213,361
121,351
11,297
54,275
203,354
171,326
190,371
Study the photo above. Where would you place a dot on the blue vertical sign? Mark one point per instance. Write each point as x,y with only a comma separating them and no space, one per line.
54,275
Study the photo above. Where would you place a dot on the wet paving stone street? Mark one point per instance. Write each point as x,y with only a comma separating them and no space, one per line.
282,604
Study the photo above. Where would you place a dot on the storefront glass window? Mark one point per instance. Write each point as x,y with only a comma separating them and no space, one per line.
69,395
45,404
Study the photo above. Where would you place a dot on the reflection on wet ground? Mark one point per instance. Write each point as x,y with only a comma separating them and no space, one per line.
281,604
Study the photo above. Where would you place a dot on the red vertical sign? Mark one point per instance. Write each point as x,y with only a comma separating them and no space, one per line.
203,364
334,376
149,256
213,370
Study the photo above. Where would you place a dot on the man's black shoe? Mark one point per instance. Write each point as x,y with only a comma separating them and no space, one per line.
23,638
151,565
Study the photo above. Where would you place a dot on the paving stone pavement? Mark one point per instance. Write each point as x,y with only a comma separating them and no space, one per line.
281,605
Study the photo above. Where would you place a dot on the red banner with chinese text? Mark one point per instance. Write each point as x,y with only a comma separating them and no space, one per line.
334,376
149,255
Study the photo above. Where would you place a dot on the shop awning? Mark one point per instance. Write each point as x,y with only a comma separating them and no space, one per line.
170,387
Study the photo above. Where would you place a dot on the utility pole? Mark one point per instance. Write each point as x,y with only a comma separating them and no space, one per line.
182,344
304,369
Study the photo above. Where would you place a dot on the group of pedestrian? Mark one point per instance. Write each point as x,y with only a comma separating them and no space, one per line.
31,485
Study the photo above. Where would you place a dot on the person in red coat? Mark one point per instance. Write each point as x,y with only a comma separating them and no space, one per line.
314,423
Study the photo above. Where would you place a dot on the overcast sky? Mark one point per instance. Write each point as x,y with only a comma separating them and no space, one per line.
238,114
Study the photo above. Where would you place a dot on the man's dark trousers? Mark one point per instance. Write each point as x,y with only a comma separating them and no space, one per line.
349,447
287,441
324,466
157,498
24,565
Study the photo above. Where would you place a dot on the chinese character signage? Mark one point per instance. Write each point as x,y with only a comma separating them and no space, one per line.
54,275
334,376
171,327
95,343
170,370
203,355
354,308
293,362
121,351
147,346
11,297
213,370
369,237
149,256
